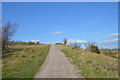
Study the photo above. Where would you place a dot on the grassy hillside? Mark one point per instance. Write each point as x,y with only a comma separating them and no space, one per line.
24,62
92,65
110,52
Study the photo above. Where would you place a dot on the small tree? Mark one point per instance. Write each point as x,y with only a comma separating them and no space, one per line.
76,45
38,43
8,31
93,47
65,41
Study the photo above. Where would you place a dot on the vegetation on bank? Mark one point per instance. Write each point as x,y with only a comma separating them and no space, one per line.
110,52
92,47
24,61
92,65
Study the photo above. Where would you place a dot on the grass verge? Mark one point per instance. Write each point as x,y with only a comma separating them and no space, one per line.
92,65
24,63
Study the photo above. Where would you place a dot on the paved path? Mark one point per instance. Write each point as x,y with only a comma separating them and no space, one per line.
56,65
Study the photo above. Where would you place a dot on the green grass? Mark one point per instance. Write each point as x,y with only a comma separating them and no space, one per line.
92,65
24,63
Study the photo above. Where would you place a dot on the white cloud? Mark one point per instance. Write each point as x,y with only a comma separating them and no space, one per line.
110,43
76,41
112,36
116,34
35,40
113,40
57,32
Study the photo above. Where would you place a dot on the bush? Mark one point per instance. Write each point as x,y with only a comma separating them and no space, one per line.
93,48
76,45
38,43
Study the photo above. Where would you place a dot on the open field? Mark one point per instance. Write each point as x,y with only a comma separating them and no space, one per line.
24,62
92,65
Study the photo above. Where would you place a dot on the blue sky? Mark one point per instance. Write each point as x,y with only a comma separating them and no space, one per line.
52,22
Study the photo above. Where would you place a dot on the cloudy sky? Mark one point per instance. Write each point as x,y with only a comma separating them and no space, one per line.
52,22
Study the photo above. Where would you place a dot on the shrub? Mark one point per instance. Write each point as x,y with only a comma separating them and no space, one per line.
38,43
93,47
76,45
